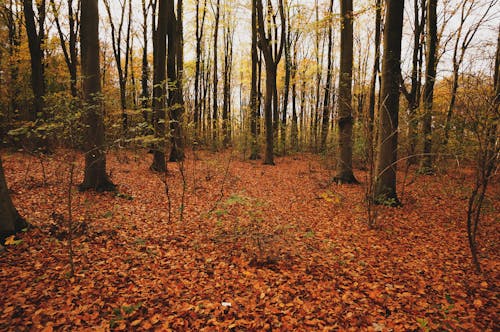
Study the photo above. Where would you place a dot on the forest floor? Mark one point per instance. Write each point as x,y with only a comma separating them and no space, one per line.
254,248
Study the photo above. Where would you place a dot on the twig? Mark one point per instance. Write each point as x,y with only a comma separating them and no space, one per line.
221,194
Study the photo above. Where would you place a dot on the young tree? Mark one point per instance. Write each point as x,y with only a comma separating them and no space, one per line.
95,176
462,43
386,161
485,127
10,220
345,120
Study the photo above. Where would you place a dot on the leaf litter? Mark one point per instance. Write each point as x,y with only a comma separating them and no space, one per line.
259,248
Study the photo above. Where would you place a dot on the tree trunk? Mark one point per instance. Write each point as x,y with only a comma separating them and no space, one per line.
175,99
198,70
268,113
375,73
70,51
416,81
159,83
215,116
15,27
95,176
145,65
345,120
326,101
174,85
286,87
254,93
226,104
35,42
430,77
10,220
294,135
386,164
272,58
116,41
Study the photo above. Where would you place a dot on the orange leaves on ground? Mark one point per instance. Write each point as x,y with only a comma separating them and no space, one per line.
279,250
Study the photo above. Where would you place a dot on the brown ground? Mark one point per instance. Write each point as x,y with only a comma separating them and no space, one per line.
288,249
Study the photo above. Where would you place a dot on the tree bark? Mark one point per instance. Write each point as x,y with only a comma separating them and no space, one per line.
215,102
116,41
175,99
272,59
69,51
145,64
345,119
426,166
10,220
198,70
254,93
95,176
328,87
226,104
159,85
375,73
35,43
386,164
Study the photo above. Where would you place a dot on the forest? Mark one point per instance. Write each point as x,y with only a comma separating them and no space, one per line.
249,165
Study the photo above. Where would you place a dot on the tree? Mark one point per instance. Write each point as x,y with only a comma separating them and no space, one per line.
36,38
95,176
288,77
175,100
484,124
413,96
254,92
159,83
345,120
11,15
145,65
375,74
466,11
68,43
226,89
116,41
328,86
272,50
430,79
386,161
198,70
215,91
10,220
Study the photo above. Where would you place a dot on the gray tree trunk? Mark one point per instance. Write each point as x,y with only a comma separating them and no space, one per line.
385,167
95,176
345,120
